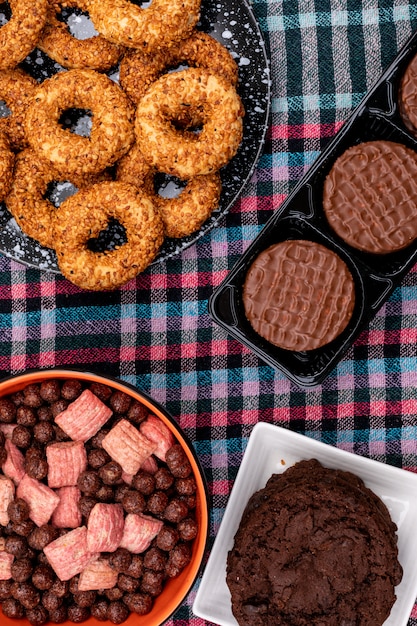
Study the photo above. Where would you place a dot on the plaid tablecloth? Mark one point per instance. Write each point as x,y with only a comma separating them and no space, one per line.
156,331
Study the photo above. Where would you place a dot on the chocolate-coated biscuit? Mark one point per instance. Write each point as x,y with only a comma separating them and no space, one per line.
407,96
298,295
370,196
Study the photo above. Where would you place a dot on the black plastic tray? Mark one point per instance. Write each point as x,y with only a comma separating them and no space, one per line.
301,216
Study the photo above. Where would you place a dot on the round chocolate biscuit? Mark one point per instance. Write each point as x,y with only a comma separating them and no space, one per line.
408,96
370,196
315,546
298,295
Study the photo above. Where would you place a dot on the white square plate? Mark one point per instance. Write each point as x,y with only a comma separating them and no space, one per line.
272,449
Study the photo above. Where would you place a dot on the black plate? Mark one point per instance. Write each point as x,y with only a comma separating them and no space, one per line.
231,22
301,216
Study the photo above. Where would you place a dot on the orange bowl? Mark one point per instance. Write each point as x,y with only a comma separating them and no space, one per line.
175,589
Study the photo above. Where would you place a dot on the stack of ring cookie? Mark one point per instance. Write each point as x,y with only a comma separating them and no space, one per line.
171,110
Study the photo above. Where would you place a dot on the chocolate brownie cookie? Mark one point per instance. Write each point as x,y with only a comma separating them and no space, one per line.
315,547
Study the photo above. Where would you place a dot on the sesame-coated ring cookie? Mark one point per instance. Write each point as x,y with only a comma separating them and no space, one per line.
139,70
26,200
184,153
7,159
19,36
96,53
16,89
183,214
158,26
112,130
84,215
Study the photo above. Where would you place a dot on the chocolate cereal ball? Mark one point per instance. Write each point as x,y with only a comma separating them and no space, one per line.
120,402
22,436
37,616
51,601
144,482
188,529
110,473
50,390
103,392
60,588
97,457
157,503
138,412
178,558
59,615
177,462
175,511
133,501
86,504
7,411
85,598
32,396
163,479
127,583
120,559
23,528
99,610
58,406
152,582
89,482
16,545
155,559
117,612
21,569
135,568
43,432
26,594
18,510
26,416
12,608
43,577
71,389
42,535
5,589
140,603
78,614
167,538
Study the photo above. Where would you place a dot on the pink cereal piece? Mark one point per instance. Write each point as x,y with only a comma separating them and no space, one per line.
127,446
150,465
6,561
105,527
67,514
7,430
127,478
7,490
154,429
83,417
14,465
139,532
68,555
66,461
42,499
97,575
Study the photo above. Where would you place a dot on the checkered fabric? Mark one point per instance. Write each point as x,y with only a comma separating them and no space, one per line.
156,332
